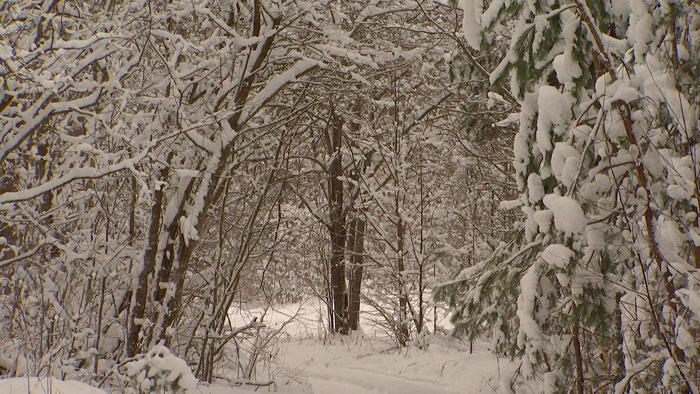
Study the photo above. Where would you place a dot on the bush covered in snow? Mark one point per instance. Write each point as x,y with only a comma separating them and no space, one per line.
160,370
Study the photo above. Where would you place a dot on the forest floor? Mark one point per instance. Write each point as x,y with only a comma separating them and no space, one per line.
373,367
369,366
308,362
303,361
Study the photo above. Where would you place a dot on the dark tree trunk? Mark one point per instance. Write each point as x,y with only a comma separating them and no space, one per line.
617,367
576,341
400,267
140,292
356,247
337,226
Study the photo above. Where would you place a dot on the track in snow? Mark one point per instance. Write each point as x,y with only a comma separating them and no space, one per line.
339,369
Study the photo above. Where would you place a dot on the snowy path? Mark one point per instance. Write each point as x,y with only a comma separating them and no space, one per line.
338,368
355,380
370,364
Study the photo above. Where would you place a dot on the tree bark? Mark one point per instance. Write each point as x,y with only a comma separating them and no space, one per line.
400,267
579,358
356,246
337,225
140,290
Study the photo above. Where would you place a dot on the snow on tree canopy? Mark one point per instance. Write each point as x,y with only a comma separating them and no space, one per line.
557,255
565,160
471,22
568,215
534,187
554,113
608,92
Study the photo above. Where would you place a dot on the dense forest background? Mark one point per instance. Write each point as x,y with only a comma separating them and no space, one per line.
530,165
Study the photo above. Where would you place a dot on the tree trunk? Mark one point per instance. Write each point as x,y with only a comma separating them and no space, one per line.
400,267
337,226
579,358
356,246
617,359
140,290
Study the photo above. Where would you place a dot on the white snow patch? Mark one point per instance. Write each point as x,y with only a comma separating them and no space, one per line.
553,110
510,204
691,300
526,306
367,361
686,342
188,230
471,21
45,385
535,188
595,235
187,173
557,255
568,215
543,219
161,369
565,163
670,240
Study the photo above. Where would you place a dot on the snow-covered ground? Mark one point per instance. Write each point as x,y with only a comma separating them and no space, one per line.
45,386
361,365
309,362
370,366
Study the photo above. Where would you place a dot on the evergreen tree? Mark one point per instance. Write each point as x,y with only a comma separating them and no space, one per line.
597,288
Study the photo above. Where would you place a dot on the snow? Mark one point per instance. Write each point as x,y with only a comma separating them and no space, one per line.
670,241
557,255
311,361
72,175
361,365
554,111
550,380
471,22
510,204
652,163
691,300
45,386
491,13
336,51
188,229
621,90
595,235
565,163
186,173
535,188
659,85
670,372
564,64
360,78
529,328
568,215
543,219
685,341
565,67
159,368
5,52
509,120
272,87
640,30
